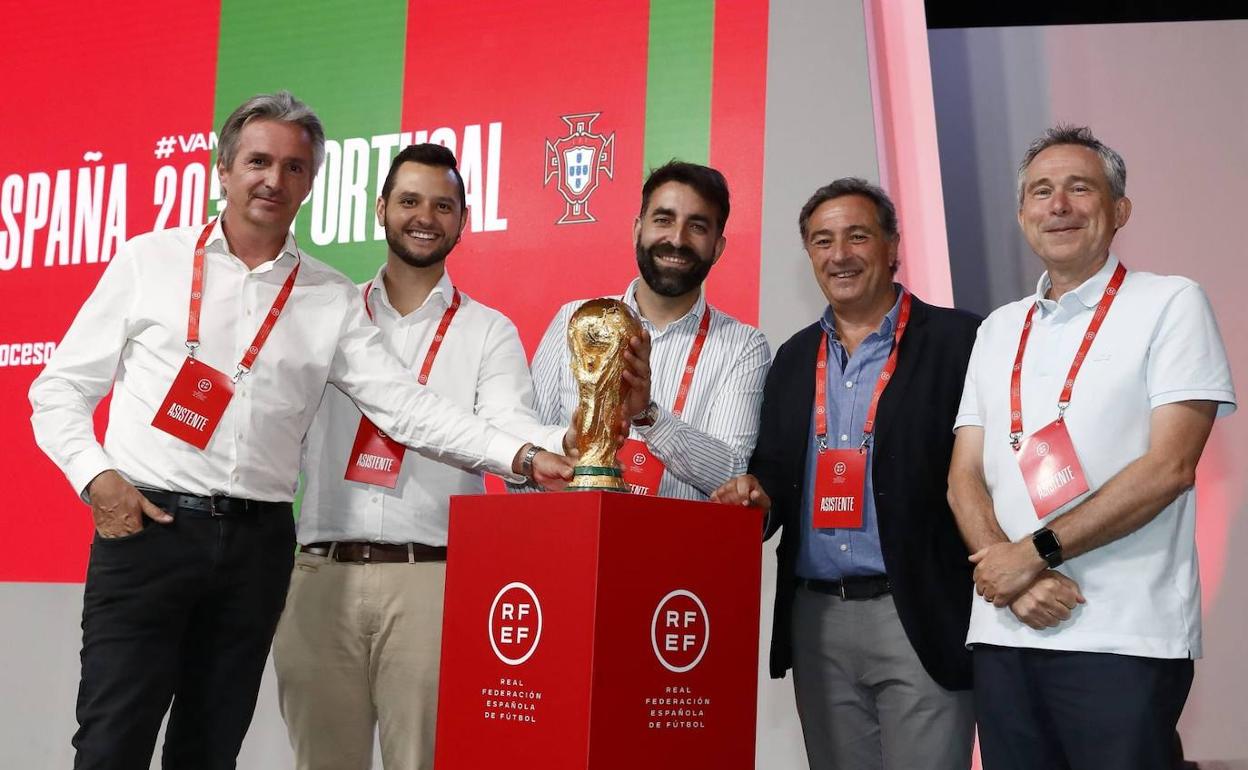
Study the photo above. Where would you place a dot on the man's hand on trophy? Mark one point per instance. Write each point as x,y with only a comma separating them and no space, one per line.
743,490
548,470
637,375
551,472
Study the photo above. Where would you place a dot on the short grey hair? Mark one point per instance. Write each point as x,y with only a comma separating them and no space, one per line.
1115,166
885,211
281,106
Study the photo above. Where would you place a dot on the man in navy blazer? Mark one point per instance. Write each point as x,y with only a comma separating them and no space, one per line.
872,591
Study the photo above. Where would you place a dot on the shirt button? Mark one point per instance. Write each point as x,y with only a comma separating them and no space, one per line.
844,437
849,383
844,546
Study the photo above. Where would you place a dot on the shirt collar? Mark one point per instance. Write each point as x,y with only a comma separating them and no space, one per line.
217,241
1088,293
889,322
694,315
442,290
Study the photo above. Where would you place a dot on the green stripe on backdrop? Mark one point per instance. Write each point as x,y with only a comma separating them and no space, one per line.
345,60
678,81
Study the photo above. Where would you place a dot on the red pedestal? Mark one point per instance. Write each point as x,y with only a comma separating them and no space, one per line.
596,631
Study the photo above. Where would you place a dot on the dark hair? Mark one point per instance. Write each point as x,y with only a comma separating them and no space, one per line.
281,106
429,155
708,183
1115,167
885,211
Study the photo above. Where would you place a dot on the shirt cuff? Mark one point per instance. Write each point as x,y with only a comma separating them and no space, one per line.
85,467
967,421
1225,399
499,454
664,427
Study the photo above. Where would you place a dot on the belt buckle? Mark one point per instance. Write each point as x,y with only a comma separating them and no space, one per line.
366,553
212,508
841,585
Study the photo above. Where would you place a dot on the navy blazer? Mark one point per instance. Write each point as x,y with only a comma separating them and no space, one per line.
923,552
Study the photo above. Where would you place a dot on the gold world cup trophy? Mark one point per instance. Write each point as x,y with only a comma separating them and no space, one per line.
598,335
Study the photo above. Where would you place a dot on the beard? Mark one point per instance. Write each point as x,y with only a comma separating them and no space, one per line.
399,248
667,281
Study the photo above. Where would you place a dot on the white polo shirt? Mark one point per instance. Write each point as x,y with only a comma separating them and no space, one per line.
1159,345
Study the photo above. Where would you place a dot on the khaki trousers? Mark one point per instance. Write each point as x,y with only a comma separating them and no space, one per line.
357,649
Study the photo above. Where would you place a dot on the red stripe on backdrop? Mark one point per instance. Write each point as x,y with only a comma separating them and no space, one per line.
524,69
81,79
738,106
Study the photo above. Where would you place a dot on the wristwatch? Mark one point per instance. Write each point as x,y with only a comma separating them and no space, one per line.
1048,546
526,462
646,417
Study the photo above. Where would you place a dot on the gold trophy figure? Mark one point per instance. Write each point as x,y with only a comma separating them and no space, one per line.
598,335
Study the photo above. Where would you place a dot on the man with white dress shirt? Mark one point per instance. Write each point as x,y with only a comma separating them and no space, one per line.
695,421
213,390
358,645
1086,408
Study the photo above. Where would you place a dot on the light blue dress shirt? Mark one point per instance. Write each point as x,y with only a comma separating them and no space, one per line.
831,554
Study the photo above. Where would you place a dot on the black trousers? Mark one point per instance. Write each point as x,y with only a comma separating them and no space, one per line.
1050,710
183,612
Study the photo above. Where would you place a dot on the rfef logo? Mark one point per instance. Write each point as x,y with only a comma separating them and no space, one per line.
574,161
515,623
680,631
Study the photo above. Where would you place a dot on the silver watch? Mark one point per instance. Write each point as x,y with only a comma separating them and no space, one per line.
646,417
526,462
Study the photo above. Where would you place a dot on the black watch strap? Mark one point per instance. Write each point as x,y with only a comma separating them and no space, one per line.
1048,546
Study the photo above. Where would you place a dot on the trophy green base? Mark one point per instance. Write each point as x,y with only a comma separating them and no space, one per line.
597,478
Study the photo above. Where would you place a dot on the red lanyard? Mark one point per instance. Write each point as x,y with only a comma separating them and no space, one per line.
438,336
695,353
1063,401
886,374
197,303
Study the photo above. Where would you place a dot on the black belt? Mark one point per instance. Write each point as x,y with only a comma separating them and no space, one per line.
377,553
214,506
852,588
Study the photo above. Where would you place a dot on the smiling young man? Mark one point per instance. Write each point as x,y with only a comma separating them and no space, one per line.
694,442
1086,408
358,645
191,491
871,607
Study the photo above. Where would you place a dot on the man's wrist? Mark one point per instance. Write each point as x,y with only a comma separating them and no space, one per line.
526,460
1048,547
646,417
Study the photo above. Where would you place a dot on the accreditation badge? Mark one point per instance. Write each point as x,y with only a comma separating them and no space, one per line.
642,470
840,481
1050,468
193,407
375,457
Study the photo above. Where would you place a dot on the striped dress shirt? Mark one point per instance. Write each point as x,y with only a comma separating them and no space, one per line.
711,442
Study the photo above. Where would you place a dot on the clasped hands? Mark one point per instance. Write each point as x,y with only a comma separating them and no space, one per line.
1013,575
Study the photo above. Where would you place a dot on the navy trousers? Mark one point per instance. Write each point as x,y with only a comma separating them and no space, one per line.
1051,710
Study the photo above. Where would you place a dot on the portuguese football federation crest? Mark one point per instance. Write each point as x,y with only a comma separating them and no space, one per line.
574,161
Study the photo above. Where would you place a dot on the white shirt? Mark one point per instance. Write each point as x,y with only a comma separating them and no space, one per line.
130,336
711,442
1159,345
481,366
